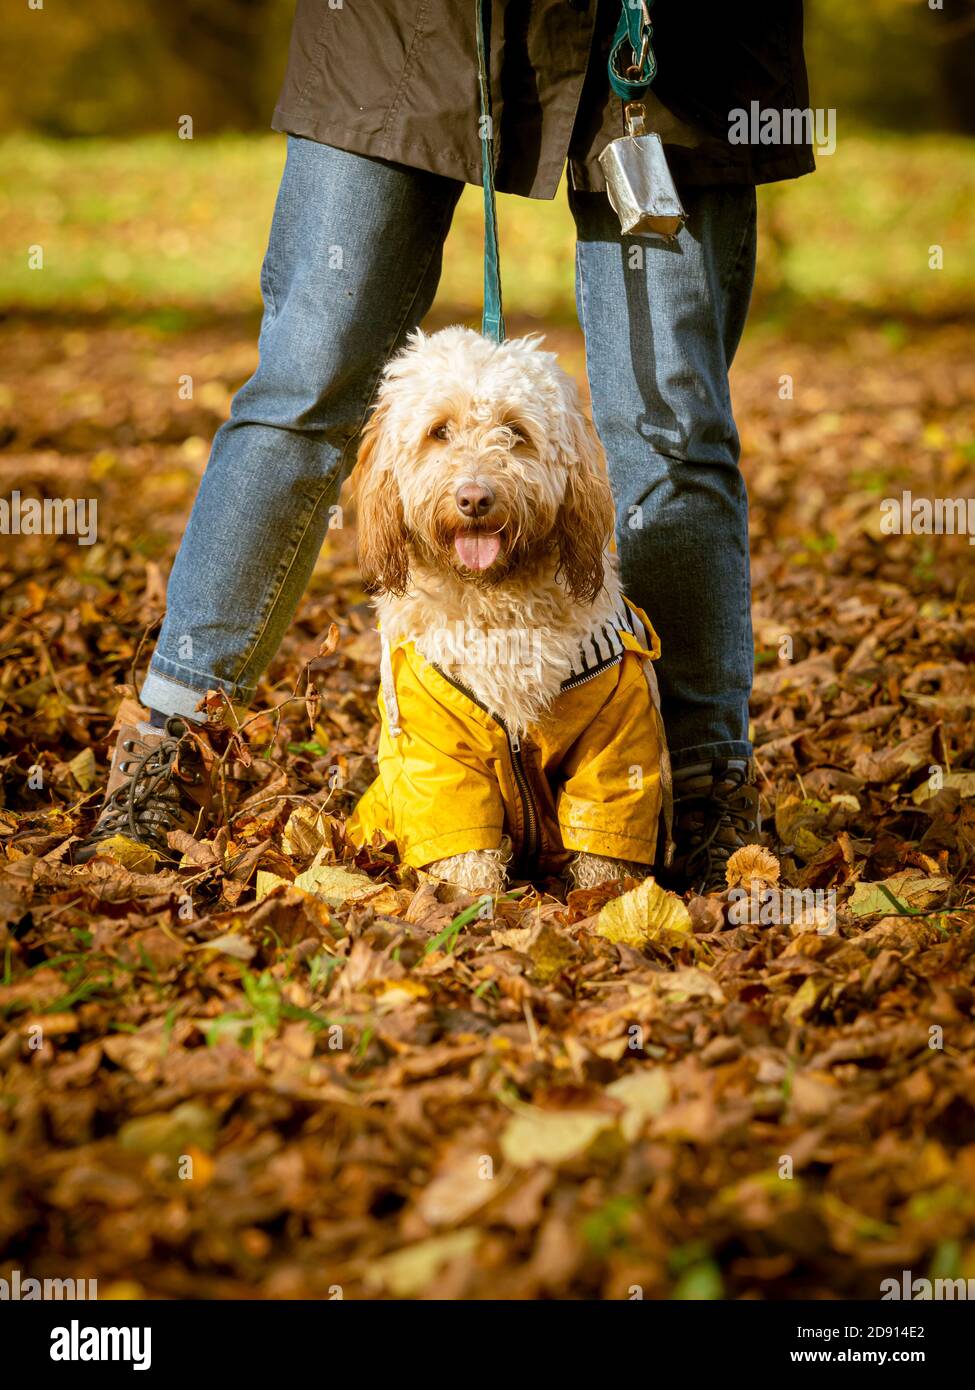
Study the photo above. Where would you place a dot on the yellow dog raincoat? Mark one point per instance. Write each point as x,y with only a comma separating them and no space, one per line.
592,776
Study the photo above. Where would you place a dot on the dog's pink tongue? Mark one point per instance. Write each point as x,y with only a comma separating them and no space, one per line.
476,550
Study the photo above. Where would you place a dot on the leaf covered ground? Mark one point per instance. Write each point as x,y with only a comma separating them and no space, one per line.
379,1091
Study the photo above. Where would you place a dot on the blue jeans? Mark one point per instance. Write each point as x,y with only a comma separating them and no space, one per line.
352,266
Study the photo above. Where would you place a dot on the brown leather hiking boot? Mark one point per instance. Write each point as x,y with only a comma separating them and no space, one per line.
160,781
716,811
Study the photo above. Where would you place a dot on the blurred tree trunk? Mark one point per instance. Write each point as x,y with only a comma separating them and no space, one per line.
956,64
225,44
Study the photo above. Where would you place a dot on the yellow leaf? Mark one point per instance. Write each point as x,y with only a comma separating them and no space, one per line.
171,1132
397,994
304,834
407,1272
551,1136
102,465
266,881
646,913
644,1094
911,888
806,999
452,1195
548,949
390,901
934,435
961,782
230,944
801,822
335,885
140,859
82,768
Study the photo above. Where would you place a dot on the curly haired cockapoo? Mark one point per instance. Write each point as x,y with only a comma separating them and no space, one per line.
520,729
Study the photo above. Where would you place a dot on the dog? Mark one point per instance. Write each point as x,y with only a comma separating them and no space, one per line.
520,723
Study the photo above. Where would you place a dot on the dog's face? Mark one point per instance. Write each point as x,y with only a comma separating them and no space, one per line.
479,461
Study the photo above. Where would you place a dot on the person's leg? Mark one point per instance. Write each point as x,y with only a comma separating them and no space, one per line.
662,321
352,266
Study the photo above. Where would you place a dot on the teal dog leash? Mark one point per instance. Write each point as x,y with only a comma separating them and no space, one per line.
492,322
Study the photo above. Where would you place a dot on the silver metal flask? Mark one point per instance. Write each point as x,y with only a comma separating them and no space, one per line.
638,181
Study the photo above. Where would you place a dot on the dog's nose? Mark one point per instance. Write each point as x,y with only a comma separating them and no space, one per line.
474,499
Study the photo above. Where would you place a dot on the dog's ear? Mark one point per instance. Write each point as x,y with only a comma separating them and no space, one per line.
585,520
381,540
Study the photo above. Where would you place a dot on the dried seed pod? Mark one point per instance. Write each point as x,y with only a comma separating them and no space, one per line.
752,864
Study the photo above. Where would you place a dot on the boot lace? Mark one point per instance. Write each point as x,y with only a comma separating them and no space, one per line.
146,806
727,806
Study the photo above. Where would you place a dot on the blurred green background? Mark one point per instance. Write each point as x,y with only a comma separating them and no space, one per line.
136,222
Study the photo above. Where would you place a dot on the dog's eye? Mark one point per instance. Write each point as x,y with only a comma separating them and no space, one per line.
440,431
518,435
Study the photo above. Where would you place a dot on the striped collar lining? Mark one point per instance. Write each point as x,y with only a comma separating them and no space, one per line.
604,646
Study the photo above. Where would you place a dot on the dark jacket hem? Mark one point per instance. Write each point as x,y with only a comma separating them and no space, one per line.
415,155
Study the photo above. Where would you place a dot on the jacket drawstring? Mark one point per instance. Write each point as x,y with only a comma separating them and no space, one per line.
389,688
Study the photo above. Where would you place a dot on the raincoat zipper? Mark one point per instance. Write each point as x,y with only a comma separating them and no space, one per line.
530,849
584,676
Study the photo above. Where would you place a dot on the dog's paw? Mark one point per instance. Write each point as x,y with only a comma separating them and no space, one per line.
590,870
477,871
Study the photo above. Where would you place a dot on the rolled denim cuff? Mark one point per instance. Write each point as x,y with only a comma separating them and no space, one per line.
704,752
168,696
